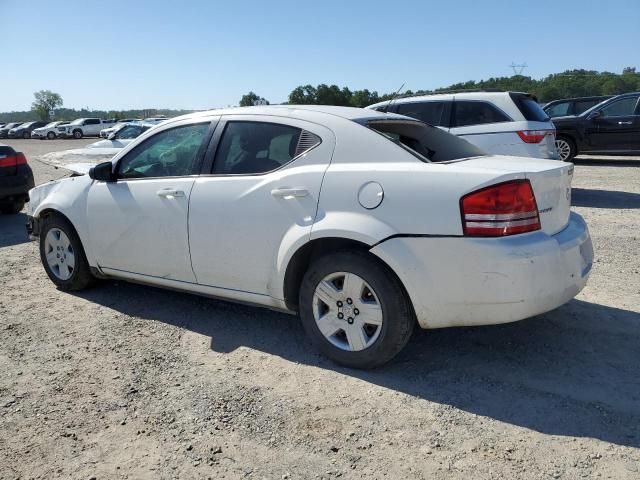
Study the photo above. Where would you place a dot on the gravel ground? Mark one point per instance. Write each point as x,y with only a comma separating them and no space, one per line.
126,381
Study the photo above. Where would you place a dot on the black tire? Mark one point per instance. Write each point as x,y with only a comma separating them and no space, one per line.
12,208
77,134
566,144
26,135
397,312
81,276
51,135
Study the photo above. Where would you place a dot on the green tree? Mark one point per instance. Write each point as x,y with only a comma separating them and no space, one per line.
303,95
45,100
250,99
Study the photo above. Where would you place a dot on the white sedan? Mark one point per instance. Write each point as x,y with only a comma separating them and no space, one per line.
364,223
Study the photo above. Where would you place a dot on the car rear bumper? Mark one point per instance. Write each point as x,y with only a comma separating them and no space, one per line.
16,187
462,281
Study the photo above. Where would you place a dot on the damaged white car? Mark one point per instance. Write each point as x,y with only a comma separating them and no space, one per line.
364,223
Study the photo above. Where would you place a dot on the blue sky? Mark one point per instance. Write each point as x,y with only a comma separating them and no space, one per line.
200,54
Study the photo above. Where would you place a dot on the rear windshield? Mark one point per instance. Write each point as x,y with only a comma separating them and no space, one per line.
529,107
427,143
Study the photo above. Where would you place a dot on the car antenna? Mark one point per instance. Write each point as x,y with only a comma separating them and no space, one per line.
394,96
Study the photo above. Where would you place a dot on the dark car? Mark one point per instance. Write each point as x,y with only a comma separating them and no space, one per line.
611,127
16,179
572,106
24,130
4,131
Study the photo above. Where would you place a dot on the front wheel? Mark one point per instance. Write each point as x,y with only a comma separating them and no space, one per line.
355,310
51,135
77,134
566,148
62,255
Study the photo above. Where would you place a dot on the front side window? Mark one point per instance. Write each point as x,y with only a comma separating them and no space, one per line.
171,153
428,112
476,113
558,110
92,121
258,147
621,108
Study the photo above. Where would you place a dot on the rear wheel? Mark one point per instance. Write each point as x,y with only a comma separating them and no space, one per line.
12,208
566,148
62,255
355,310
51,135
77,134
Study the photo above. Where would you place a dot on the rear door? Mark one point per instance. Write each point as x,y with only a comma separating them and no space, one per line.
262,192
618,126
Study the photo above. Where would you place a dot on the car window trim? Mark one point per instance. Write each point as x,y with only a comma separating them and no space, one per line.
215,144
454,114
200,154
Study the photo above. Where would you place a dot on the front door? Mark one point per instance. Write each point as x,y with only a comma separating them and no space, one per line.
138,224
617,128
262,194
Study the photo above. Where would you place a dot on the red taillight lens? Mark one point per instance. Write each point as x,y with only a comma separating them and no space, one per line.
534,136
499,210
13,160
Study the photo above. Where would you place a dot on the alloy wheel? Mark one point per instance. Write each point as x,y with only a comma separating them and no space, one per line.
564,149
347,311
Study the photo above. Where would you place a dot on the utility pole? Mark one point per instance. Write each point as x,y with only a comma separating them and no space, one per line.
518,67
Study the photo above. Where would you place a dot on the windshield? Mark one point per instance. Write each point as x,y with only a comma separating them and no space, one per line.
426,142
130,132
52,124
595,107
77,122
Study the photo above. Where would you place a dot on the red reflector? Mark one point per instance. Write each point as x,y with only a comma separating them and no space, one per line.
534,136
499,210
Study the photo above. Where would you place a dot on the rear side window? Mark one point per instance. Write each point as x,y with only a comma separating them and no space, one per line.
92,121
529,107
426,142
558,110
258,147
428,112
476,113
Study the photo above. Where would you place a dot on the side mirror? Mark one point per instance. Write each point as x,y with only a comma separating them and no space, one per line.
102,172
595,114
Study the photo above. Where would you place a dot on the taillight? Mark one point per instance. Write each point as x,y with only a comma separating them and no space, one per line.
534,136
504,209
13,160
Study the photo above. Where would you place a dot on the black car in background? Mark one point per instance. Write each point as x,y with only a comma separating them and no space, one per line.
16,179
611,127
24,130
572,106
4,131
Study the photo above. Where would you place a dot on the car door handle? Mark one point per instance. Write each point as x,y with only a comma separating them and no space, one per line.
170,193
625,123
288,193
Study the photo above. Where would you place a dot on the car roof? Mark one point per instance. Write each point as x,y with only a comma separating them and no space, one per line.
449,96
300,111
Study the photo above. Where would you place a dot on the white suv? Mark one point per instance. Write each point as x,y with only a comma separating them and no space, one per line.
501,123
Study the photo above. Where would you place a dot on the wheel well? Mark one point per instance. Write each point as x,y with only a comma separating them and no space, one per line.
50,212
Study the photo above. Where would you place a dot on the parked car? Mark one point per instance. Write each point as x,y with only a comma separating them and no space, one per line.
84,127
105,132
363,222
16,179
155,120
123,135
49,131
572,106
501,123
4,131
611,127
24,130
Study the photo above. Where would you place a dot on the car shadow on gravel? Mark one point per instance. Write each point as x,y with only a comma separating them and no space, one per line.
587,197
570,372
595,161
13,230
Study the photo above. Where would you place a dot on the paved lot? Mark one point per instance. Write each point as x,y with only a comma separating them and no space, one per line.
126,381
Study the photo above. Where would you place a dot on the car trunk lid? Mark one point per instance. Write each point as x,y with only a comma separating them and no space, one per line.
550,180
